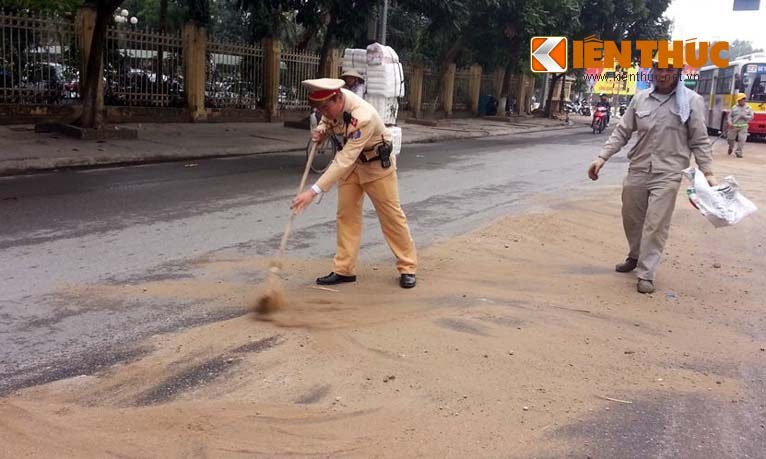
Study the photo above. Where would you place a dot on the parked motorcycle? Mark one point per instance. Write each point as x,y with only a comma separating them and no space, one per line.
599,120
584,110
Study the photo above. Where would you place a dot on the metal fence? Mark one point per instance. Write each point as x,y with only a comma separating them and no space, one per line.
143,68
461,99
430,96
39,60
234,76
404,102
295,67
487,86
40,64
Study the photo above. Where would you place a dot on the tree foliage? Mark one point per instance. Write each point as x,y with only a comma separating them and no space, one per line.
493,33
149,13
490,32
740,48
46,6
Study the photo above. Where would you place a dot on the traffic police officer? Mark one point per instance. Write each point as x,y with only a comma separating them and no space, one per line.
739,116
362,167
670,121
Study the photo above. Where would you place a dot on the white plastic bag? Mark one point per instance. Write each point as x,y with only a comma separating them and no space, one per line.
396,138
722,204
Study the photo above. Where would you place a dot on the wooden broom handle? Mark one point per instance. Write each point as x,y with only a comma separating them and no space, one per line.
289,227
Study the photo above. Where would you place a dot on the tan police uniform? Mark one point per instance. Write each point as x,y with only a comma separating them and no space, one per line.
739,118
662,151
355,178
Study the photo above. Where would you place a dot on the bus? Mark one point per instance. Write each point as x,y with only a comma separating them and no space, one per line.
719,87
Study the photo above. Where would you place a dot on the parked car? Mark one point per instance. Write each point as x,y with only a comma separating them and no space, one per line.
8,78
139,86
45,80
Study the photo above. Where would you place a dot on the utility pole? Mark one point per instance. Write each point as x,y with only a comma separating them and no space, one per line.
383,23
544,97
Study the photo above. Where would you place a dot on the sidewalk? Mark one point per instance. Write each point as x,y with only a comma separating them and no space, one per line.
24,151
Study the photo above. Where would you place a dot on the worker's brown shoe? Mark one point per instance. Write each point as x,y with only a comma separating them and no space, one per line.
730,150
332,279
407,281
628,266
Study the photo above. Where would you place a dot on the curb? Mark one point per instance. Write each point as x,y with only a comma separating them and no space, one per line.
59,164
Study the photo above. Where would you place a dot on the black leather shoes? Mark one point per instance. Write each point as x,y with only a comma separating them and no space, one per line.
332,279
407,281
628,266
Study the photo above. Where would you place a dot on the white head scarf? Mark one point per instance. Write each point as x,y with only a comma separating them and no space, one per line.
683,95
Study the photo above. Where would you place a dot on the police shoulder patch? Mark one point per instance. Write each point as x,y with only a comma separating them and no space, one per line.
355,135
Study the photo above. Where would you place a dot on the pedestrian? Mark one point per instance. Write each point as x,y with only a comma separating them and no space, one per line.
736,125
354,83
670,121
365,165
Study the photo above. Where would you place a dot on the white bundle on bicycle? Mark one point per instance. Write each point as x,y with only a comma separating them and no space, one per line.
355,59
387,107
385,75
723,204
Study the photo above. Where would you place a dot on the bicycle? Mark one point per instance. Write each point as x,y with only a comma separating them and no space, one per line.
326,151
324,155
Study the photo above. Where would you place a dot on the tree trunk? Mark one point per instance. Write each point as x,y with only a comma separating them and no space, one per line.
549,103
505,92
506,89
326,44
561,94
91,113
306,38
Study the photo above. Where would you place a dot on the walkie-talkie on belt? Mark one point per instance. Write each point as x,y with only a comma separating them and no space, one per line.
384,151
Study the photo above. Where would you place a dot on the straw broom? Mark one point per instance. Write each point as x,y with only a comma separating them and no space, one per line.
274,297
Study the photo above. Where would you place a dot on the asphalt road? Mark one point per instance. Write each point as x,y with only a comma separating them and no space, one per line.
132,224
64,230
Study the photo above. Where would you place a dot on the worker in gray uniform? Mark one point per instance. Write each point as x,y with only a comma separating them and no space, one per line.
670,121
739,117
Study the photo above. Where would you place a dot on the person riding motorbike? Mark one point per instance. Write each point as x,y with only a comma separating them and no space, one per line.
598,123
604,102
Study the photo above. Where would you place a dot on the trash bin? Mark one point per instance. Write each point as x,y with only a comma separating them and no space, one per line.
483,103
